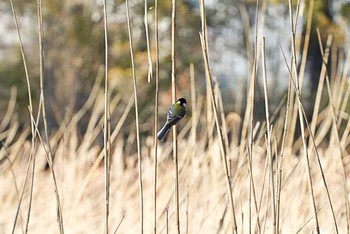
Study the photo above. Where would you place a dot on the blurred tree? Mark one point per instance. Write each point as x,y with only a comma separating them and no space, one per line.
188,50
74,50
345,10
323,19
74,47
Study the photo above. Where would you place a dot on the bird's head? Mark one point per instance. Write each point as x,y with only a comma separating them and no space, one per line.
182,102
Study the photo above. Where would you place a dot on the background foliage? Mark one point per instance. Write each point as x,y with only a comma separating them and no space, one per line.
73,44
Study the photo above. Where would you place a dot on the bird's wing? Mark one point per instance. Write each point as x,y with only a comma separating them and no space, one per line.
171,118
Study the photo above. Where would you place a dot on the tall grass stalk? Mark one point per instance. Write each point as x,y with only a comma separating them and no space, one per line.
220,103
42,101
314,145
268,143
145,20
49,161
300,113
209,112
31,155
187,206
139,158
156,116
312,137
218,127
6,157
345,99
246,140
248,121
293,98
320,88
338,141
318,210
173,91
106,132
342,92
281,156
306,43
194,108
166,220
120,222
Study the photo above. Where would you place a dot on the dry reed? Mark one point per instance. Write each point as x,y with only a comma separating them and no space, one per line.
270,187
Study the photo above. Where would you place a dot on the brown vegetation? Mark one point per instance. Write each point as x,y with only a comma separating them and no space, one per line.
226,174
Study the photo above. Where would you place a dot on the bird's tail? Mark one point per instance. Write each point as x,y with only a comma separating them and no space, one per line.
163,133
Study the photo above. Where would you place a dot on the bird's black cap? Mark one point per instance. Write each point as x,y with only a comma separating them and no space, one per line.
182,101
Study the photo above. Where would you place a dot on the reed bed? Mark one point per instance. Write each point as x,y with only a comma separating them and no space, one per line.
219,173
203,201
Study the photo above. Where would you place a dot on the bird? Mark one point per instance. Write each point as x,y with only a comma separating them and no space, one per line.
176,112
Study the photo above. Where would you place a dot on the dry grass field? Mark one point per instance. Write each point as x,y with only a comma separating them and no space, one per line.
203,200
204,204
226,174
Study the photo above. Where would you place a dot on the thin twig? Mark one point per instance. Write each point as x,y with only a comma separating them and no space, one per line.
106,124
145,20
306,43
167,220
120,222
6,157
156,117
268,143
218,127
136,116
49,161
312,140
42,100
318,210
301,120
173,91
194,109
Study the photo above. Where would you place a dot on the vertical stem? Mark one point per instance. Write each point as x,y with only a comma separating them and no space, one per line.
317,104
269,151
41,58
106,132
32,160
167,220
33,146
173,90
293,100
249,116
156,116
209,121
301,120
306,43
279,168
193,100
42,100
222,147
203,38
187,205
147,42
136,116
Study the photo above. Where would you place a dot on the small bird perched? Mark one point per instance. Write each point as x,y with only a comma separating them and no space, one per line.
176,112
